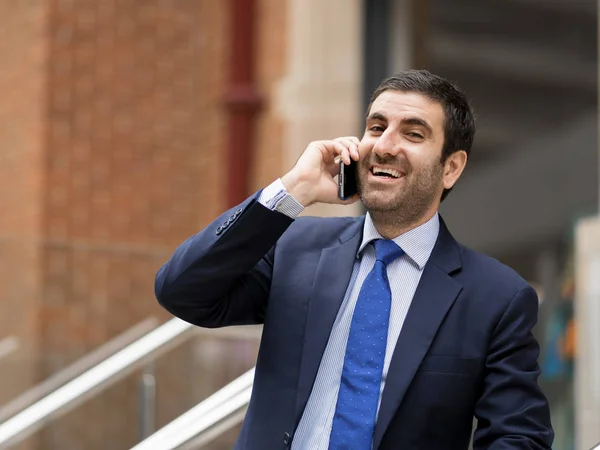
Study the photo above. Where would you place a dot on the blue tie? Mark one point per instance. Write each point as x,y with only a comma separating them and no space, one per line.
358,398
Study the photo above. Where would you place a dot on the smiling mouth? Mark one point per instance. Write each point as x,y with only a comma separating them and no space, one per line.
385,173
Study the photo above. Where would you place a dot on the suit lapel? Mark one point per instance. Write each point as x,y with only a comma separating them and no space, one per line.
334,270
435,295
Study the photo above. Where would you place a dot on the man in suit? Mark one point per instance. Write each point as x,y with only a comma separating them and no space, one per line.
379,331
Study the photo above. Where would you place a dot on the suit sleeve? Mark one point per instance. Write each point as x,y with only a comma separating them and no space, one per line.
512,411
222,275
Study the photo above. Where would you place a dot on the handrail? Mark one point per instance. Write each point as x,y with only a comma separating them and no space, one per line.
99,377
217,430
77,368
8,345
227,404
108,372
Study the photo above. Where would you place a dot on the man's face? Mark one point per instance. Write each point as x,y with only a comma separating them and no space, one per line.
400,169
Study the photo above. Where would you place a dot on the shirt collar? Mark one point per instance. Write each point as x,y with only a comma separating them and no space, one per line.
417,243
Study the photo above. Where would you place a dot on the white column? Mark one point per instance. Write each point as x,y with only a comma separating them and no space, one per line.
320,98
587,316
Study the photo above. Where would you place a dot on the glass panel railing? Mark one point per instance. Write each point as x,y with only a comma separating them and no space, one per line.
143,387
93,380
77,368
207,420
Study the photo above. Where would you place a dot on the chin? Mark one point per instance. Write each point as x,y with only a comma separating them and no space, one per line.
379,201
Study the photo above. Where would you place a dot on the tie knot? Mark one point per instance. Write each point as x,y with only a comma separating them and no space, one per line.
386,250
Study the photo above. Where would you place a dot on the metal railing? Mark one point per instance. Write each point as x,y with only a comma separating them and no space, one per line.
207,420
77,368
104,374
139,354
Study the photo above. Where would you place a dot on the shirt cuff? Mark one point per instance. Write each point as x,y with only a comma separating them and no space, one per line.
276,198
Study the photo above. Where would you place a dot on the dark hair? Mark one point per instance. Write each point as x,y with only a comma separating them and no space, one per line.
459,125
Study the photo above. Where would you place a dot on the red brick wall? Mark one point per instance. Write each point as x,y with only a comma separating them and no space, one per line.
133,168
113,142
124,164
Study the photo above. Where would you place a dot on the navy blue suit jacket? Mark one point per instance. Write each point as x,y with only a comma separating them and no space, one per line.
465,349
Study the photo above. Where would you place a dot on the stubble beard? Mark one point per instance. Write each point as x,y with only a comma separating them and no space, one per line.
404,208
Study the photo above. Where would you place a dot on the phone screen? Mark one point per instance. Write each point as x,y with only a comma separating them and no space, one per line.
347,182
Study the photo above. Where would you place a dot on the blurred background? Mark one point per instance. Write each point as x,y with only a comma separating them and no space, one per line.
128,125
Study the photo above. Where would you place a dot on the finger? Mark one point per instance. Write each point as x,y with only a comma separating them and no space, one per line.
353,139
328,150
352,147
342,150
351,142
333,169
350,138
347,148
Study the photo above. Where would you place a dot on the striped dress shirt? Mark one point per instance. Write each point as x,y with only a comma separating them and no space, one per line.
404,274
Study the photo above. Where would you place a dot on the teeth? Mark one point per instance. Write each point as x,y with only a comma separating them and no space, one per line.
390,172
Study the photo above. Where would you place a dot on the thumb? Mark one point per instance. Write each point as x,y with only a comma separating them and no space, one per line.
351,200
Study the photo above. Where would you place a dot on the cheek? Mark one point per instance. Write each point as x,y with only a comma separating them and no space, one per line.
423,157
365,146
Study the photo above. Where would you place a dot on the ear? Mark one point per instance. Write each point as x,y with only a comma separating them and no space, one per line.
453,168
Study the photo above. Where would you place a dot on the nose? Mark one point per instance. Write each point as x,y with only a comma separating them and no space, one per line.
388,144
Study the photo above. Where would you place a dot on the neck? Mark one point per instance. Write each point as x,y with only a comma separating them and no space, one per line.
391,224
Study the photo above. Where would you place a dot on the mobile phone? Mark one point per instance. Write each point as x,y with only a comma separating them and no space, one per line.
347,180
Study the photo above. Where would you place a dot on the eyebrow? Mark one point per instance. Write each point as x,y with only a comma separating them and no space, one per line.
418,122
405,121
377,116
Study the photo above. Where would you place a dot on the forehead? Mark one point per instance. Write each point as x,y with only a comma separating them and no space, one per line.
396,105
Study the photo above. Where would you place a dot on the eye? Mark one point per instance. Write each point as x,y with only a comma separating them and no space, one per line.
377,129
415,135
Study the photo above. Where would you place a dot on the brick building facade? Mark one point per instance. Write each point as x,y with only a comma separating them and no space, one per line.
113,151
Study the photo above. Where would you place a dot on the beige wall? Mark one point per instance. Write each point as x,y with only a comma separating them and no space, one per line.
319,97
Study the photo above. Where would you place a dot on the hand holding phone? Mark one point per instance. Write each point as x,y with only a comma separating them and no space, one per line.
312,179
